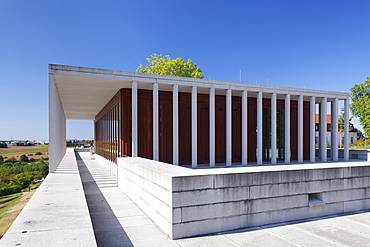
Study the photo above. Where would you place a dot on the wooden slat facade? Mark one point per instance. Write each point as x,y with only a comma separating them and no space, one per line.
119,109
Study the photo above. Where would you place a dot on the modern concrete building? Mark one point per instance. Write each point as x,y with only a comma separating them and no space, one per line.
158,133
185,121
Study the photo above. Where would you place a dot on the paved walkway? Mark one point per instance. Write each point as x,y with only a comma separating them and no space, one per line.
117,221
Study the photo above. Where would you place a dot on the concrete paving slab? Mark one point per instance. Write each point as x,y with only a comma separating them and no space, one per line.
258,237
352,229
57,214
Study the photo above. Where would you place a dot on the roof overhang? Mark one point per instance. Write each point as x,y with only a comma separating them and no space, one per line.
83,92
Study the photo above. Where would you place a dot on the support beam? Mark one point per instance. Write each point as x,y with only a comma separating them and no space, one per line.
228,128
175,128
155,122
334,129
300,129
194,127
273,128
346,133
323,129
245,127
212,127
312,129
287,129
259,128
134,120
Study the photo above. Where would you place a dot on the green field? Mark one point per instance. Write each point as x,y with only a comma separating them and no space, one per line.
26,150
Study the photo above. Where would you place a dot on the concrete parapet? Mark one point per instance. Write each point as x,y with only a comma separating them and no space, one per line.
57,214
187,202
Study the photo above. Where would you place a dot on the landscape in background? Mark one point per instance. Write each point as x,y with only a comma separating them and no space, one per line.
23,166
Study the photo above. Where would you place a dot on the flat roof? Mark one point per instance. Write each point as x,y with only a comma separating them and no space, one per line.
85,91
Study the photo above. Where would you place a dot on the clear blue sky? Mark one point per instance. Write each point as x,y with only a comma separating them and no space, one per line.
313,44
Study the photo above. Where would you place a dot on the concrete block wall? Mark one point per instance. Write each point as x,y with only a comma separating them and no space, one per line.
188,202
109,165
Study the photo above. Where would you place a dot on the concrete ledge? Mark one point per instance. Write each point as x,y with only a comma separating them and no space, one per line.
57,214
186,202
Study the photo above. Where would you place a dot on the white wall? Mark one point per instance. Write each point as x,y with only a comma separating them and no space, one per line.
57,127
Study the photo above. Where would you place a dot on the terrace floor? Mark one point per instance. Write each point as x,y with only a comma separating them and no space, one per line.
117,221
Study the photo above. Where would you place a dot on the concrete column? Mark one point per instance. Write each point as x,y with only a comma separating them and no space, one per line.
334,129
228,128
273,128
323,129
300,129
244,127
346,134
287,129
194,127
212,128
259,128
175,122
134,120
312,129
155,122
57,127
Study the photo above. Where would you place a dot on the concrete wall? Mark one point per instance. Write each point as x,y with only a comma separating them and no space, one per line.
109,165
57,127
354,154
187,202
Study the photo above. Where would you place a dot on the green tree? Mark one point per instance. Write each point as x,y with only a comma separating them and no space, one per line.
1,159
22,179
165,65
24,158
360,107
341,120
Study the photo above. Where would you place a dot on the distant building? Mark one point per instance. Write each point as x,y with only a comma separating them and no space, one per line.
353,132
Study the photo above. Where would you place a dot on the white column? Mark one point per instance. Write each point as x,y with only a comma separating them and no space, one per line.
323,129
57,126
334,129
300,129
134,119
175,128
346,134
273,128
228,128
194,127
155,122
212,128
244,127
312,129
287,129
259,128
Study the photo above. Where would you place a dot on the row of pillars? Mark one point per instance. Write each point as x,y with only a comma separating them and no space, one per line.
322,137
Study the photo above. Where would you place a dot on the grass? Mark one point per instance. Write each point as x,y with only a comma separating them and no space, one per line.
359,147
26,150
10,207
7,201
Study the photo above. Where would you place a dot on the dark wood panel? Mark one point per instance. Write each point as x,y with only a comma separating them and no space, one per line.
236,129
220,115
126,123
294,130
252,126
165,127
184,128
203,128
145,123
306,130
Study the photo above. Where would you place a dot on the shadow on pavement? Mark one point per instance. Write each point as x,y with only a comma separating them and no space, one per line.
107,229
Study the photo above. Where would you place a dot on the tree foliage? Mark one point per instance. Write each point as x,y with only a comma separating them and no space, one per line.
341,120
165,65
24,158
360,107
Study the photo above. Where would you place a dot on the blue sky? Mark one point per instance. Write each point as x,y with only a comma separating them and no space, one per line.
308,44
